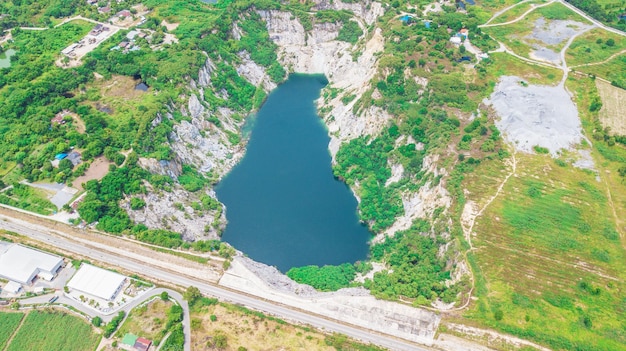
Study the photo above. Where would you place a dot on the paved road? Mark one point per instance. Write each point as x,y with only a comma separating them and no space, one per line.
232,296
591,19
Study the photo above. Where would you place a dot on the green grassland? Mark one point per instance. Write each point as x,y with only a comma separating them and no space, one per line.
548,256
148,321
44,331
548,249
516,11
28,198
514,35
505,64
8,324
592,47
614,71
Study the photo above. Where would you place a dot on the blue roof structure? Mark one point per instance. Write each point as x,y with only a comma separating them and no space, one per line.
60,156
427,24
406,18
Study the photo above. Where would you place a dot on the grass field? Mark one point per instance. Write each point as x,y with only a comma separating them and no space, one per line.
46,331
8,324
613,71
147,321
591,47
613,107
515,35
549,254
245,329
552,260
505,64
516,11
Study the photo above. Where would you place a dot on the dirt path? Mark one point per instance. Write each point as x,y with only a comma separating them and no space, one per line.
533,8
467,231
15,332
601,62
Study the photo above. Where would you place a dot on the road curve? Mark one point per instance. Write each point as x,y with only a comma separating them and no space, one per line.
288,313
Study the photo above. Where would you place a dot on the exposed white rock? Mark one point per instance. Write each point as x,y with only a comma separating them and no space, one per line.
254,73
163,211
397,171
420,204
195,106
204,75
367,11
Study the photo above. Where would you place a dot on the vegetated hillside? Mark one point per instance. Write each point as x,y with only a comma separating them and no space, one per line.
415,142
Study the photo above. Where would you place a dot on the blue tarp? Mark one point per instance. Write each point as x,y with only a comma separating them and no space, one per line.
60,156
406,18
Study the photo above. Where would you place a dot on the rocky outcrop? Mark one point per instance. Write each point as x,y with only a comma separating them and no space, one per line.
172,210
254,73
319,52
204,75
368,11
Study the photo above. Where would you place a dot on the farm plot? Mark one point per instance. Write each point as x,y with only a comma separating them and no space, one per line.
44,331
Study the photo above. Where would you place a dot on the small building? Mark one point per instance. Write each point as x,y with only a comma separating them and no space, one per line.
58,119
129,340
427,24
21,264
142,344
123,14
455,40
12,287
105,9
60,156
464,33
68,50
97,282
123,44
74,157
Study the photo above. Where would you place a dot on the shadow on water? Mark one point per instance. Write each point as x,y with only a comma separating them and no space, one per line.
283,203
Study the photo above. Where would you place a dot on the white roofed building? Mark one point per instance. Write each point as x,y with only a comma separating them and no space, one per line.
21,264
97,282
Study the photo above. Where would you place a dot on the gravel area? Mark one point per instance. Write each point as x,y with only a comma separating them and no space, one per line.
556,31
533,115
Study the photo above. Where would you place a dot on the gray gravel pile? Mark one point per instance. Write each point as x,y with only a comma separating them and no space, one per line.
533,115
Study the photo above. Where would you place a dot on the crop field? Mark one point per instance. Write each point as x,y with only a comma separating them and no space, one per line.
550,261
44,331
8,324
592,47
613,107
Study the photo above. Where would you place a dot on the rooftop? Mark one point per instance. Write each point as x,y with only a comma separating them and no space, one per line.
21,264
96,281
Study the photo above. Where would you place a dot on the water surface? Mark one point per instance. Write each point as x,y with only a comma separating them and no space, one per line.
284,206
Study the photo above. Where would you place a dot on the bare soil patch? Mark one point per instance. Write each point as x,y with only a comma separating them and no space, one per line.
613,107
97,170
250,330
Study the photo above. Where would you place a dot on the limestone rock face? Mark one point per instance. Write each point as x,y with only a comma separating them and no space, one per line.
204,75
195,107
254,73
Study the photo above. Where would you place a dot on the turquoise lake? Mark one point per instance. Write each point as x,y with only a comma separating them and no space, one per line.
283,204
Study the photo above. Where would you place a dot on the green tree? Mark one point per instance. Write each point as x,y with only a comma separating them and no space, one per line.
96,321
165,296
192,294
